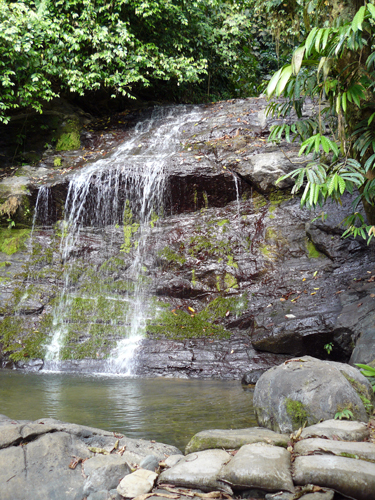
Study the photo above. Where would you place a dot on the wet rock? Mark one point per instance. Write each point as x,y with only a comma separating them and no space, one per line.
364,351
365,451
33,365
350,477
138,483
337,429
200,470
264,169
234,439
104,472
251,378
309,390
150,463
260,465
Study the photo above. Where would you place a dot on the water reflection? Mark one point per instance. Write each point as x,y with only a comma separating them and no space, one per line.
167,410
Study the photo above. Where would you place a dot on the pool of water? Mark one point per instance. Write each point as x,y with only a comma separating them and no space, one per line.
168,410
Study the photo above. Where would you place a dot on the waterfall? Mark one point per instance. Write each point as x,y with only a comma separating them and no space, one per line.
123,192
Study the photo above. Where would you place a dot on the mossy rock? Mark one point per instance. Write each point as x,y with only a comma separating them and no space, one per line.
69,135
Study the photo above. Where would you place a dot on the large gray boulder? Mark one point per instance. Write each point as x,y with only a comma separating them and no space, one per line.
307,390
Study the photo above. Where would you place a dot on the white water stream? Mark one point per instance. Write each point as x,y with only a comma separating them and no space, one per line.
132,177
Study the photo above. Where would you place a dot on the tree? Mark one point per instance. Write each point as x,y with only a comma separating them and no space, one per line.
180,49
335,65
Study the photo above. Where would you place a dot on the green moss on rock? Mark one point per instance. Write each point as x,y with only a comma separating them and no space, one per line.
313,252
296,411
69,136
13,240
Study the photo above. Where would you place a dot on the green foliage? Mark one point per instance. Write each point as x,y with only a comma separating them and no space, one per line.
334,66
369,372
186,50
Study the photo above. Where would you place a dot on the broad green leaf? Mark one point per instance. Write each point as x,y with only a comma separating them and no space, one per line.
310,40
371,9
317,39
358,19
284,78
343,103
273,82
342,184
297,59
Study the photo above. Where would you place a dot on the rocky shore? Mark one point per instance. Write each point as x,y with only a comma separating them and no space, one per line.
49,459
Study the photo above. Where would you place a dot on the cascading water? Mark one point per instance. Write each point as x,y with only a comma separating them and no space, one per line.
125,188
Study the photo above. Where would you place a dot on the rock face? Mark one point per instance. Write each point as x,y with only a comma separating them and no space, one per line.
235,279
309,390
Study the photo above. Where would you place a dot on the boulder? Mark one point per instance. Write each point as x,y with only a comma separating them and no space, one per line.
200,470
350,477
233,439
307,390
260,465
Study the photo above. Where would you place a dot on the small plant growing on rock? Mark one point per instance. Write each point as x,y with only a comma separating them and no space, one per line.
328,347
345,413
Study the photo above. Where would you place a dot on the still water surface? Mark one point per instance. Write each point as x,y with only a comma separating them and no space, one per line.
167,410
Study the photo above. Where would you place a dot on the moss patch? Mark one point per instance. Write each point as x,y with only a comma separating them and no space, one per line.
312,251
20,341
171,256
13,240
178,324
69,138
296,411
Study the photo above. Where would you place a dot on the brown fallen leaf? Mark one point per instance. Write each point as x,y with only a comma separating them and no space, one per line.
74,462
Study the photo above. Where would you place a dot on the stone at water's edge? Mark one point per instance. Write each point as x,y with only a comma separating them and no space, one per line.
307,390
260,465
200,470
364,451
138,483
234,439
354,478
337,429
